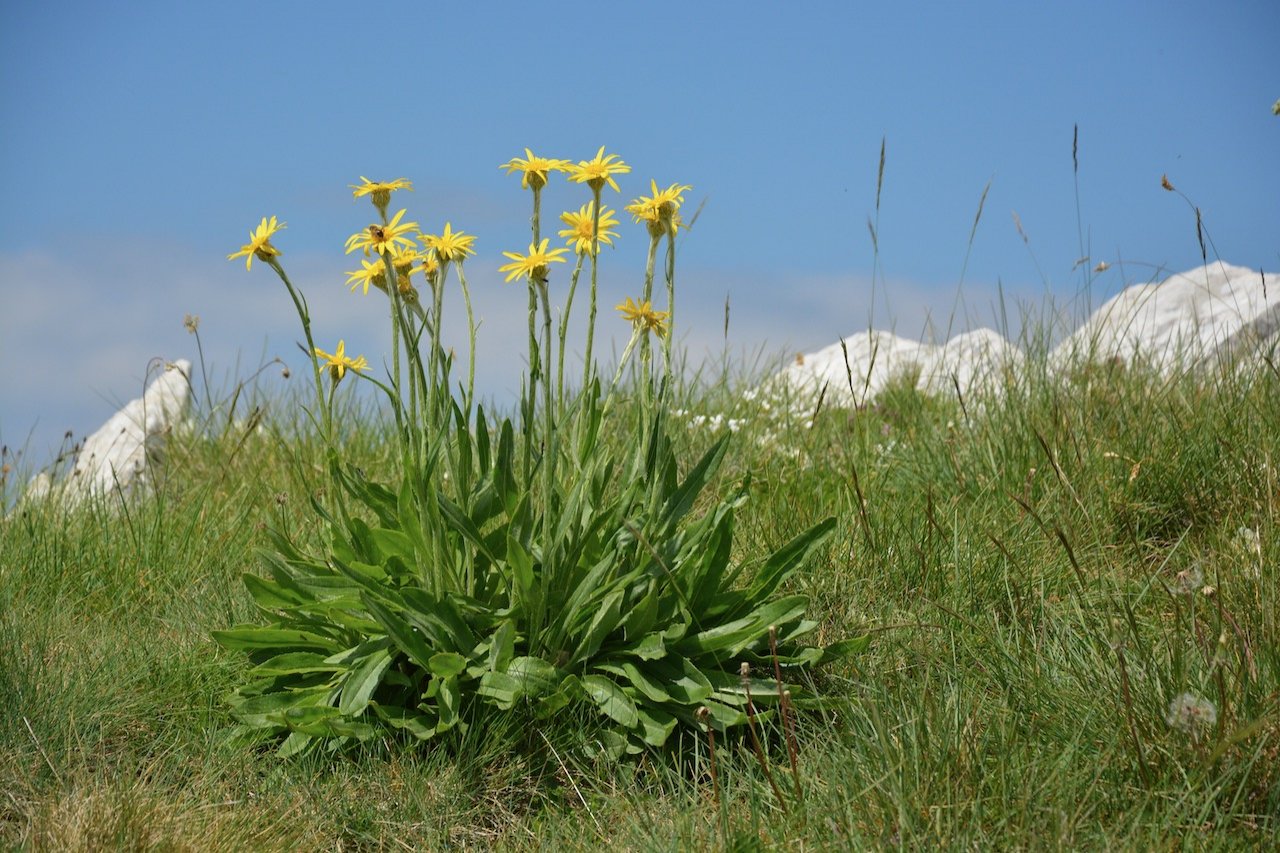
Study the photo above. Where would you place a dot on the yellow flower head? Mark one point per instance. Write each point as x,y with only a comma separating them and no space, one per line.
338,363
259,245
534,264
374,273
643,317
404,259
597,172
660,209
534,169
581,230
380,238
451,245
380,191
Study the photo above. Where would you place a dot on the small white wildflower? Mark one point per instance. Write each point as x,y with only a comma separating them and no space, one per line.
1190,712
736,424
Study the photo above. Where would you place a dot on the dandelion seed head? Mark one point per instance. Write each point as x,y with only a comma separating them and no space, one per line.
1191,713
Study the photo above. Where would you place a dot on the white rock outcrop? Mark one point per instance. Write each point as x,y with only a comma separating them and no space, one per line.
856,371
120,456
1189,321
1194,320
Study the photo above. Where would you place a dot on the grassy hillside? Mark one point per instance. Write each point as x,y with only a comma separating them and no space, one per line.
1073,593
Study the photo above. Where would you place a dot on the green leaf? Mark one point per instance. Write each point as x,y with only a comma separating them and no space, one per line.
501,688
787,559
642,615
684,681
535,676
524,591
448,699
646,686
681,501
291,663
655,725
269,595
267,710
845,648
421,726
405,636
605,620
362,681
392,543
446,664
731,638
252,637
616,704
651,647
294,744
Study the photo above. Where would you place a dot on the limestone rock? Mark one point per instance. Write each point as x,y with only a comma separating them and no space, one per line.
1194,320
121,454
1189,321
975,362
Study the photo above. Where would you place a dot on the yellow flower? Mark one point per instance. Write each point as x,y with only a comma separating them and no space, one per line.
642,316
599,171
259,245
582,225
534,169
534,264
373,273
338,363
661,208
450,246
379,238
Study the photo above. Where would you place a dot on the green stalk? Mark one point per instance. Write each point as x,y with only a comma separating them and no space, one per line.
671,303
564,328
549,446
300,303
393,298
471,344
587,365
647,297
534,365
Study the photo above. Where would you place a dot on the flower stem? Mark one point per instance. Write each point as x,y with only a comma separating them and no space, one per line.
564,328
587,365
300,303
471,344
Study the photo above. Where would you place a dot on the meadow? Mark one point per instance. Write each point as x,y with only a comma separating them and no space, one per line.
1041,580
1057,610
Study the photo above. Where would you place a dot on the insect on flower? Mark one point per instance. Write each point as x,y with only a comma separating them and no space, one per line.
378,233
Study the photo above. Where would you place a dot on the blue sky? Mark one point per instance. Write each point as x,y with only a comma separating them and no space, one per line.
141,141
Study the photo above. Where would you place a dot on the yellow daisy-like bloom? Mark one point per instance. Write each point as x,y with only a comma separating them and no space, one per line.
338,364
377,238
534,264
597,172
534,169
380,192
374,273
581,228
259,245
451,245
642,316
662,207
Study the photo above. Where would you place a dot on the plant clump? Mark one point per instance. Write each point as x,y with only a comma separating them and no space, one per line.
517,565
